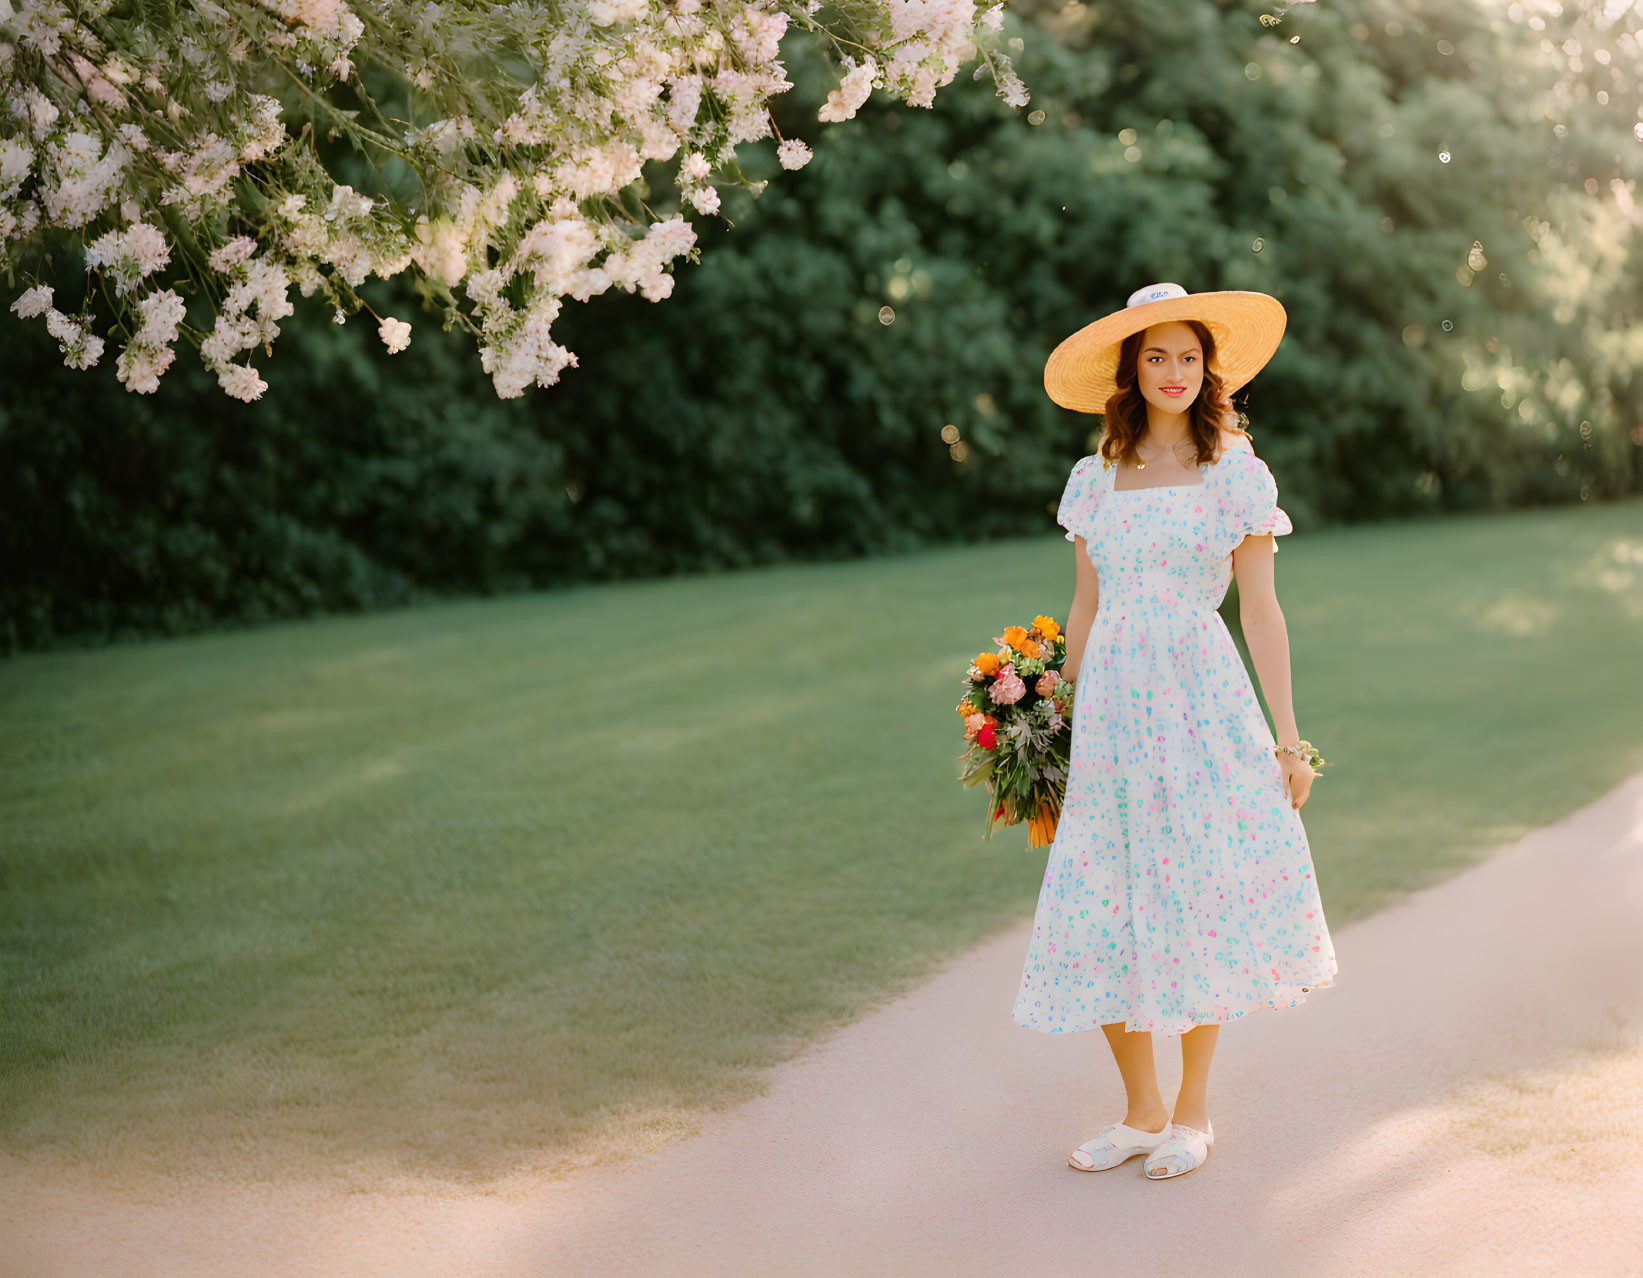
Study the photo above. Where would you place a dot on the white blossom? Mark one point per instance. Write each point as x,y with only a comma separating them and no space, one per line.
149,352
42,24
843,102
261,133
129,256
139,368
605,12
97,86
241,381
442,248
34,301
16,159
83,176
526,355
557,251
1012,90
118,71
793,154
15,225
227,256
684,102
128,135
37,109
347,204
395,334
80,348
161,312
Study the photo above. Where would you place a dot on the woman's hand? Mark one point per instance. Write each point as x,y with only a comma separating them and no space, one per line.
1298,775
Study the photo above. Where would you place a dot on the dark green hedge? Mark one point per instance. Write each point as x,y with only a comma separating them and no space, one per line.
764,412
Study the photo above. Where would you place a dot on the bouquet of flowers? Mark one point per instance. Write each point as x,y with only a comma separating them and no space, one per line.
1017,721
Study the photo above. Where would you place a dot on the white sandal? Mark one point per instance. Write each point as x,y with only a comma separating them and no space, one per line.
1186,1149
1113,1144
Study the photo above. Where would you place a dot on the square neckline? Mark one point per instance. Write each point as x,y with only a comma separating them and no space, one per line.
1203,470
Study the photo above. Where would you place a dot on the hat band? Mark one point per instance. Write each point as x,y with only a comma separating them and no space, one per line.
1154,293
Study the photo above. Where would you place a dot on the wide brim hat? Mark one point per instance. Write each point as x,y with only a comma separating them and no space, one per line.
1082,372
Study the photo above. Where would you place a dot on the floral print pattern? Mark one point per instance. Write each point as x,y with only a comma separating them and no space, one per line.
1180,889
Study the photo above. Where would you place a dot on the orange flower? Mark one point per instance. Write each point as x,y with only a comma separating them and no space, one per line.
988,663
1013,635
1030,648
1047,626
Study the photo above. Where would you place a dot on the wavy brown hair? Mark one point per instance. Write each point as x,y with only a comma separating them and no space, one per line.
1126,411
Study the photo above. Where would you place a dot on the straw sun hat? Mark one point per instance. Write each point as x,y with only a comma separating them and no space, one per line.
1082,372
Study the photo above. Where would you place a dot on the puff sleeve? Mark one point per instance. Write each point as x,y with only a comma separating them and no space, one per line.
1254,507
1077,511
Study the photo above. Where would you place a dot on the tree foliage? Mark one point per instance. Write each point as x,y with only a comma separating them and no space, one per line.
1463,334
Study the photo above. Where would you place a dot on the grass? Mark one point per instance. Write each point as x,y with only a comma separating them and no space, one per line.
533,882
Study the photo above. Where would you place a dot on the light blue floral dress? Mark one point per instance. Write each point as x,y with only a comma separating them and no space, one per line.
1179,889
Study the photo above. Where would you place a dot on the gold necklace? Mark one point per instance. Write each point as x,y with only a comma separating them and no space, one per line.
1141,465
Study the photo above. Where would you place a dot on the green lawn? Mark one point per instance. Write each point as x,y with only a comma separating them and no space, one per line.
534,881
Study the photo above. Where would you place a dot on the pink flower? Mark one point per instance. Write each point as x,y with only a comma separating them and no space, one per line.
1008,688
1045,687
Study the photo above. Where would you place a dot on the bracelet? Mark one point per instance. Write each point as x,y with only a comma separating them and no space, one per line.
1302,750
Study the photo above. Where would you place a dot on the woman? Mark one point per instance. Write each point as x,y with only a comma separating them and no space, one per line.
1179,892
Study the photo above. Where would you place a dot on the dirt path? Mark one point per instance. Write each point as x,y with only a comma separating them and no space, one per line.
1434,1113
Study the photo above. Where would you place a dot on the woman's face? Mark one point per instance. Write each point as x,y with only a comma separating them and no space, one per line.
1170,357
